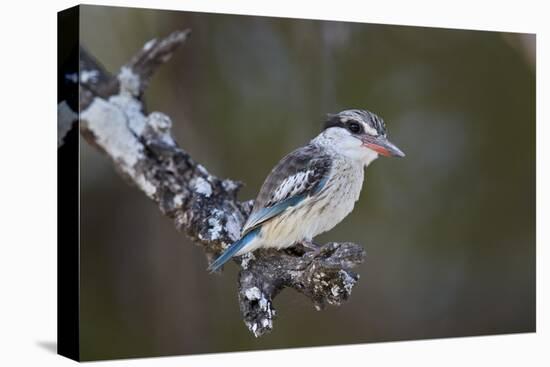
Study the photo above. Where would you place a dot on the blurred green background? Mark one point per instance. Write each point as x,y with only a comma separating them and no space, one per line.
449,230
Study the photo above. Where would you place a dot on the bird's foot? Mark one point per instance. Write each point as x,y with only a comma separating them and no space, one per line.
303,247
309,245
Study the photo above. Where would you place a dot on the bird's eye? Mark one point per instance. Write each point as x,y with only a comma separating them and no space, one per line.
354,127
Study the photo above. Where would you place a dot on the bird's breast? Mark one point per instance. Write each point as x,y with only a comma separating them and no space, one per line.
318,213
334,202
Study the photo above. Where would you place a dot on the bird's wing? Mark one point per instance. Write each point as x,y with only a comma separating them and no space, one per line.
300,174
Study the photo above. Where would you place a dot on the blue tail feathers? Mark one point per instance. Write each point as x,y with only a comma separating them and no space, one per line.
233,249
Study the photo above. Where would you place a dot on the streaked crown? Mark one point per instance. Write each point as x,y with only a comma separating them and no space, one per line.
349,119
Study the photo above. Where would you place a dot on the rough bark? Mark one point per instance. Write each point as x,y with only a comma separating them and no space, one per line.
203,206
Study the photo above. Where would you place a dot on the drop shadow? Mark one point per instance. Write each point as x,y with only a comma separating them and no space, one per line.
50,346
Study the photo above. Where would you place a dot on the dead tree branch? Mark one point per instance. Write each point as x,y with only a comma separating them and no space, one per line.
203,206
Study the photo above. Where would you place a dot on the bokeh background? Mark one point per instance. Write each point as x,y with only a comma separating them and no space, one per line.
449,230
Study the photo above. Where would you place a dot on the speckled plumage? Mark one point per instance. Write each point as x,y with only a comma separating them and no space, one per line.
316,186
316,213
299,174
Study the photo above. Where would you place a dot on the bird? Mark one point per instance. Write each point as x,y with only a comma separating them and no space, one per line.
315,187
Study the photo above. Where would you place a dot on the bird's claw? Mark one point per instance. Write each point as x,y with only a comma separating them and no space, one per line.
310,246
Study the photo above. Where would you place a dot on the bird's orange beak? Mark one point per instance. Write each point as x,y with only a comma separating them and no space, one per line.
382,146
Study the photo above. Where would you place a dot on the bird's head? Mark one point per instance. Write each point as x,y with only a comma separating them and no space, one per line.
359,134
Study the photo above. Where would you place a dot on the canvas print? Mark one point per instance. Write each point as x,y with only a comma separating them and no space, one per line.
238,183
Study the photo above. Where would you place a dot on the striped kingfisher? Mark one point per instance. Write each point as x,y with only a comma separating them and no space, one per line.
315,187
